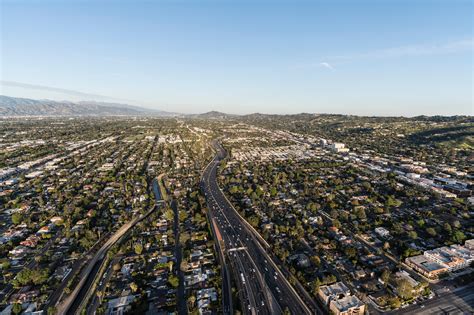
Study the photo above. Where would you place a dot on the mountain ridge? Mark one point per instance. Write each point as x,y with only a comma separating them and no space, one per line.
16,106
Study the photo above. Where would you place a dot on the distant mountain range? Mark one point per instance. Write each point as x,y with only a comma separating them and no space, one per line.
14,106
213,115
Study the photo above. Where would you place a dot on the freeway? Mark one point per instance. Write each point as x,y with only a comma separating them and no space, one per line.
263,287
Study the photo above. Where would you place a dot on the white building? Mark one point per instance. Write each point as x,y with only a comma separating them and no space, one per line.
339,147
382,231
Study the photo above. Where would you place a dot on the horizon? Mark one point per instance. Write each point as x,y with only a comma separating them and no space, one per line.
238,57
241,114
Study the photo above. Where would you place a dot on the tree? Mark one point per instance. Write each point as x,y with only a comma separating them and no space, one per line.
360,213
117,267
169,215
254,220
16,218
316,285
173,280
351,252
458,236
394,302
273,191
192,300
39,276
17,308
447,227
133,287
5,264
413,235
182,215
385,276
138,248
404,289
316,260
431,231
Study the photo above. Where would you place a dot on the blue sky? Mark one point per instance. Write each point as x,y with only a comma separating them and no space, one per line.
352,57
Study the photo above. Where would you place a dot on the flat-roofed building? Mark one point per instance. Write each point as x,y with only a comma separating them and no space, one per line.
348,305
332,292
426,266
469,244
447,258
382,231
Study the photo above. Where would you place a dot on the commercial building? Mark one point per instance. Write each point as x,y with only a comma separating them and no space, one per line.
337,297
348,305
444,259
328,292
425,266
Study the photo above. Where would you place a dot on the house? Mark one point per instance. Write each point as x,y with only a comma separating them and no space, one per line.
44,230
56,220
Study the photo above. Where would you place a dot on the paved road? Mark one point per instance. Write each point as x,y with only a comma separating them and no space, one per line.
460,301
71,304
227,307
102,286
182,302
76,267
263,288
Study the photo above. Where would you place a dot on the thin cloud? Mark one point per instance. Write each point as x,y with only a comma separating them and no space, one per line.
74,93
331,62
326,65
411,51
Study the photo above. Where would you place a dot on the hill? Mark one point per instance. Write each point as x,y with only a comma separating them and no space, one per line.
14,106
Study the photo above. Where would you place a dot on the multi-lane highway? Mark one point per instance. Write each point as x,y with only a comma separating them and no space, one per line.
262,286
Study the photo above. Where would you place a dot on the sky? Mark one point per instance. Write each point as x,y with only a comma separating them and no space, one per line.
384,57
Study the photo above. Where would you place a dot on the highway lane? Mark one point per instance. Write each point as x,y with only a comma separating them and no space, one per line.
278,294
242,266
227,307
